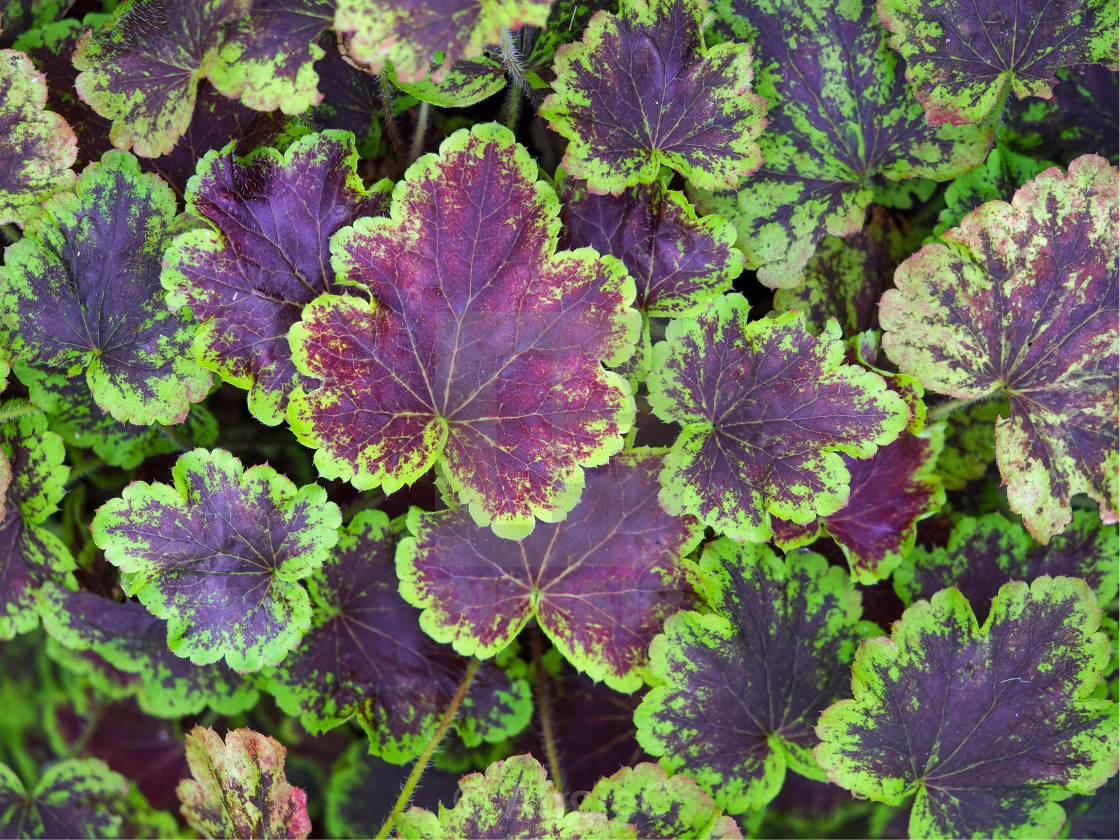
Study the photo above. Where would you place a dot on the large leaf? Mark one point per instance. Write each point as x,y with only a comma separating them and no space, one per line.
641,91
479,349
1083,118
220,555
600,583
366,657
1025,299
267,254
989,725
964,57
239,789
766,410
841,117
82,291
73,798
741,687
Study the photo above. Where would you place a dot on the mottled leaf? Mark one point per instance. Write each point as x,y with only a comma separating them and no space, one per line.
220,555
465,82
73,798
964,57
82,291
641,91
480,348
997,180
988,726
766,410
266,254
970,443
19,16
600,583
566,23
1024,298
1096,815
239,789
1082,118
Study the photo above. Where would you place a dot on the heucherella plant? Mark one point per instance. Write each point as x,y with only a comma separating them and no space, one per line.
559,418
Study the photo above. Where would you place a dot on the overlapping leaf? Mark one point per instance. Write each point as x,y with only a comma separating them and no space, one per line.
988,726
1083,118
82,291
73,798
351,99
963,58
970,443
480,349
1002,174
220,555
599,583
19,16
566,23
248,277
641,91
1025,298
465,82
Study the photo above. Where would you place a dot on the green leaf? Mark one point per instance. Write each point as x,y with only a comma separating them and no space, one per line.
73,798
465,82
996,180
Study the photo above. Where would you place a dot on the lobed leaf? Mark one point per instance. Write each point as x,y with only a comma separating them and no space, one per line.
1002,174
72,798
1082,118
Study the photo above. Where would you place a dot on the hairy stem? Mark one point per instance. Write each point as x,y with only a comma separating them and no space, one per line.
429,750
390,121
418,135
10,234
18,408
940,412
176,437
514,64
544,708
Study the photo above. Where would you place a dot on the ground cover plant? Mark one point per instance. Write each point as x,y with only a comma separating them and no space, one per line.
577,419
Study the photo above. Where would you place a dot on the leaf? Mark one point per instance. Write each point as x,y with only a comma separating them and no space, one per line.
985,553
351,99
600,583
366,657
220,555
465,82
239,788
765,409
410,33
566,23
18,16
988,726
38,147
1082,118
98,250
1095,815
480,349
1023,298
73,798
30,555
513,799
641,91
141,69
823,152
997,180
964,58
970,443
264,255
659,805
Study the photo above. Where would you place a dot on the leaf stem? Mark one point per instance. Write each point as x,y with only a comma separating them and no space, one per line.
995,116
544,707
418,135
10,233
80,471
176,437
18,408
429,750
940,412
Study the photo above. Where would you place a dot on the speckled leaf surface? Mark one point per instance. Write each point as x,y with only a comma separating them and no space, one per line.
970,443
1083,117
1025,298
465,82
741,687
239,788
566,23
964,57
479,348
82,291
266,253
142,67
72,798
1003,172
766,410
20,16
641,91
987,725
220,555
840,114
600,583
366,657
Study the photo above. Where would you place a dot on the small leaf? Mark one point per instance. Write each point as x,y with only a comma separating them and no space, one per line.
73,798
466,82
1083,117
997,180
19,16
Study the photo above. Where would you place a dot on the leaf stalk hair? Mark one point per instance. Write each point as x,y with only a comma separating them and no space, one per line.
544,708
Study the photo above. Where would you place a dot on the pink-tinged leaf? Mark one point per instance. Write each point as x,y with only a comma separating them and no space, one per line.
239,788
600,583
1024,298
480,348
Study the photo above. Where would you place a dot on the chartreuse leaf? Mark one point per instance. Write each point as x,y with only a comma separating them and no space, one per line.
37,147
30,555
141,68
266,254
641,91
410,33
82,291
566,23
997,180
17,16
985,553
600,583
841,116
239,788
513,799
463,83
479,348
366,657
659,805
766,409
970,443
742,685
987,725
964,57
1023,298
73,798
220,555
